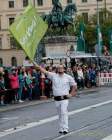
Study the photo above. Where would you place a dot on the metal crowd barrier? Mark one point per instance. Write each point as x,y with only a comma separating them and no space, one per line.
105,79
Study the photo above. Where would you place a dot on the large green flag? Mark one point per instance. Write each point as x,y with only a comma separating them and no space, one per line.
28,29
81,40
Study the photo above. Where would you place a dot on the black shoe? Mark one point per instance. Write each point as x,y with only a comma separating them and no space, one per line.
65,132
60,132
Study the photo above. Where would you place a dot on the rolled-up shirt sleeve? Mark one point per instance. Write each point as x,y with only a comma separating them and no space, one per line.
50,75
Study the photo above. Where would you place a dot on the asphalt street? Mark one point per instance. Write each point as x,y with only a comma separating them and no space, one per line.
90,118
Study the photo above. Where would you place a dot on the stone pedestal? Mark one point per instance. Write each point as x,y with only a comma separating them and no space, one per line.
58,46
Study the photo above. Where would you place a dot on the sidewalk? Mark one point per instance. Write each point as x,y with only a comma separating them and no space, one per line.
37,102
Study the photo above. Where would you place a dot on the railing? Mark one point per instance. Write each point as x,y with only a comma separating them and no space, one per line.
105,79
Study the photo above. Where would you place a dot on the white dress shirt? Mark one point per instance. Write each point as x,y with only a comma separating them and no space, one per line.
61,83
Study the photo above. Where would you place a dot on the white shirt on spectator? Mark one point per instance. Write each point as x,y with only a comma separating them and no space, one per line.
61,83
80,74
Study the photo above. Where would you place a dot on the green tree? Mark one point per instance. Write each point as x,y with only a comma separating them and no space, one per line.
106,26
91,29
90,34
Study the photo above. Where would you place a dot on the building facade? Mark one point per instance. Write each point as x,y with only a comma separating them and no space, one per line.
9,9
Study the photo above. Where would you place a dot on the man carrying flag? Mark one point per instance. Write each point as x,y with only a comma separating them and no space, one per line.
28,30
62,84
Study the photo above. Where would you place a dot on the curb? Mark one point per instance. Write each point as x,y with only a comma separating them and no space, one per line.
26,104
22,105
88,91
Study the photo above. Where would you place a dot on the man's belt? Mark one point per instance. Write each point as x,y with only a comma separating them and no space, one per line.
60,98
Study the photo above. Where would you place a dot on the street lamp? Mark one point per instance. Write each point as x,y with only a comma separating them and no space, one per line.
98,24
97,12
34,3
105,7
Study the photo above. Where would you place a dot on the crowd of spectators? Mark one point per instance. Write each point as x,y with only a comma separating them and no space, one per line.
19,84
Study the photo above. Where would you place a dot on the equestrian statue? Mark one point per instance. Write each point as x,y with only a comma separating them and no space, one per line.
60,18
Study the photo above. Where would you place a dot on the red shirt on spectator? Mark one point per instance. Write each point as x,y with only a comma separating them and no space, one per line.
14,82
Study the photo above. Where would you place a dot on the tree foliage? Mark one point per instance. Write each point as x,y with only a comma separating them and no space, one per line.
90,33
91,29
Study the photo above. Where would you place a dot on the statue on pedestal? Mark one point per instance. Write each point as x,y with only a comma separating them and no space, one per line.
59,18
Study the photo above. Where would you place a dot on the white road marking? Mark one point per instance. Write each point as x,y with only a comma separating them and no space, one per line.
47,120
108,138
10,118
70,133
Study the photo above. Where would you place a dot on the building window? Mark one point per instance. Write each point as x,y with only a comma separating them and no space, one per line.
84,0
14,61
25,3
13,43
0,43
109,15
1,62
40,2
85,17
11,4
11,20
99,0
69,1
